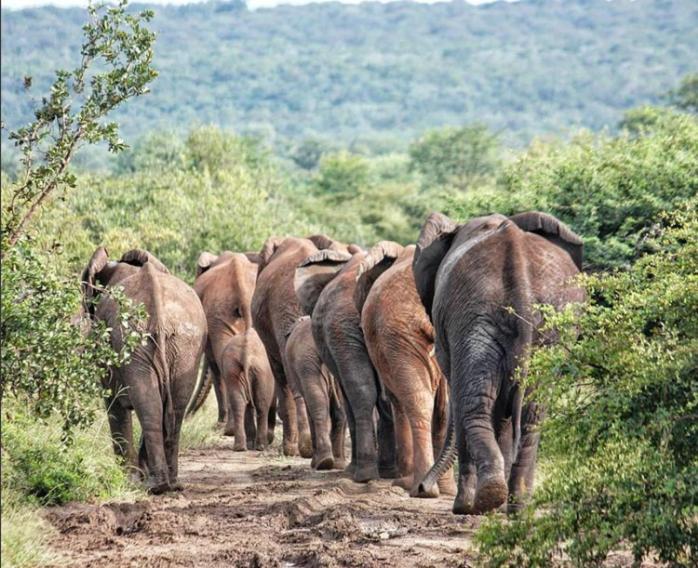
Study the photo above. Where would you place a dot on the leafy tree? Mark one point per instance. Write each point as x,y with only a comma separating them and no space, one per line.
608,188
120,47
342,175
455,157
621,433
308,153
685,96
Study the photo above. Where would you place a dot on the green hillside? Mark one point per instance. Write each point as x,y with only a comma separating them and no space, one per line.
379,74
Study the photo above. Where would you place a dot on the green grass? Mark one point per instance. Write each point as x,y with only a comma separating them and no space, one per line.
42,469
24,534
199,430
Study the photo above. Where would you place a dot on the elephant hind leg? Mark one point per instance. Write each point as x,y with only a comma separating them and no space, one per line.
403,441
121,427
250,426
338,430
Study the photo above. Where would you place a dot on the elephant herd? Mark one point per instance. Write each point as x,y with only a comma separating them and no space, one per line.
418,349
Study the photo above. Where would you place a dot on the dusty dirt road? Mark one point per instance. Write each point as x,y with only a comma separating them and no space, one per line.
261,509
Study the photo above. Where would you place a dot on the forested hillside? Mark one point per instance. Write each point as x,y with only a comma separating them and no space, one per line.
379,74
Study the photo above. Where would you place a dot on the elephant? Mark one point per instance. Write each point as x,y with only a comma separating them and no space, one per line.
323,400
325,284
400,341
275,311
225,284
480,283
158,380
249,384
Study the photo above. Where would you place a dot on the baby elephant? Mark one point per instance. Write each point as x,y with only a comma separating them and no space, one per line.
249,384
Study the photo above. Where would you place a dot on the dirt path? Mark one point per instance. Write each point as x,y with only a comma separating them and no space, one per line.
253,509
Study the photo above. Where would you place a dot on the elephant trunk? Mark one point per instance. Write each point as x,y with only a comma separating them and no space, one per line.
445,460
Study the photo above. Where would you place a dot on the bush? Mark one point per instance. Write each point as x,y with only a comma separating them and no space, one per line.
39,467
608,189
24,534
622,433
48,359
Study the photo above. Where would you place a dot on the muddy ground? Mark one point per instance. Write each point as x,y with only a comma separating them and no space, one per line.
262,509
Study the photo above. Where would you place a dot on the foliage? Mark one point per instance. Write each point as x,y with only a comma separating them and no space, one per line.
455,157
39,468
685,96
622,399
341,175
120,46
379,74
24,534
609,189
216,191
48,359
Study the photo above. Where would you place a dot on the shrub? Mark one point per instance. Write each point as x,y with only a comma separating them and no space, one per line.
48,360
622,433
39,466
608,189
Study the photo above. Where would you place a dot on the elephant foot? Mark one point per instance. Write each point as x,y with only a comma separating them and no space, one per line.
464,502
350,469
491,493
305,448
447,485
339,463
366,473
260,446
389,472
250,445
405,482
290,448
158,487
419,492
240,446
324,462
176,486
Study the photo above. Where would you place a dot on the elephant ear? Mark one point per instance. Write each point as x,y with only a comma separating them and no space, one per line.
140,257
381,257
554,231
268,249
88,279
206,260
314,273
324,242
435,239
253,257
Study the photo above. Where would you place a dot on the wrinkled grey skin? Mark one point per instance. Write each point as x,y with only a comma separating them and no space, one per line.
321,395
479,282
275,311
159,379
325,284
249,386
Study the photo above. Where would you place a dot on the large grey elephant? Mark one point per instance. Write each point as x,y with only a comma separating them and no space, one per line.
159,379
325,283
275,312
480,283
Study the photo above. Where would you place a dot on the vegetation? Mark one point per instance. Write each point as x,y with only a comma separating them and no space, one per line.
621,429
380,74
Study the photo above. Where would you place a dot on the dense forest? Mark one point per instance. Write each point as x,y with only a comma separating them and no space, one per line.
376,75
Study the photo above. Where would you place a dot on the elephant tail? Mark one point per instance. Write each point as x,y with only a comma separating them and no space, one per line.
203,387
446,457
